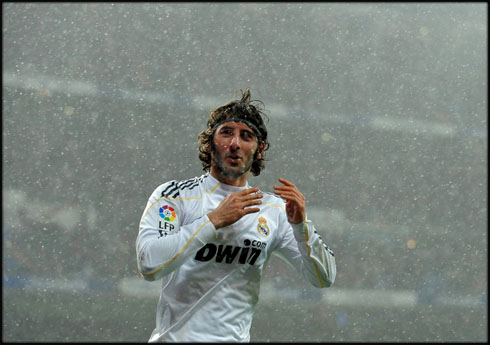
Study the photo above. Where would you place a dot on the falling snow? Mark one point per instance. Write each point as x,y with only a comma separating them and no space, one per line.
377,112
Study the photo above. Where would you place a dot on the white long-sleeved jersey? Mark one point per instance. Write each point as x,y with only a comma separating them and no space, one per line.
211,277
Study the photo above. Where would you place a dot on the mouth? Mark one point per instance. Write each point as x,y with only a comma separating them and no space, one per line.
233,158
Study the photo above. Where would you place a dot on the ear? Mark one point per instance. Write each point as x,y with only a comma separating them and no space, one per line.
260,150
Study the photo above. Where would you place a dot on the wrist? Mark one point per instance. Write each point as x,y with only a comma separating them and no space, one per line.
214,219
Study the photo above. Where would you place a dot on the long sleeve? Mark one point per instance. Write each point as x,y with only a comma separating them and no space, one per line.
163,243
304,248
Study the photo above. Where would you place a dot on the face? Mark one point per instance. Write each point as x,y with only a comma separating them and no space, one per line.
234,147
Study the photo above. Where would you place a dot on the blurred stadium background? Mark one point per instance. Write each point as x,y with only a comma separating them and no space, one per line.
378,112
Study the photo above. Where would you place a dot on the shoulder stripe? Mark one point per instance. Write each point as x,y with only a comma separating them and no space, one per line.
174,192
175,187
165,192
193,186
188,183
170,190
198,181
175,195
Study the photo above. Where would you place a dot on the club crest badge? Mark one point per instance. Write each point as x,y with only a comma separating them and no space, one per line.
262,227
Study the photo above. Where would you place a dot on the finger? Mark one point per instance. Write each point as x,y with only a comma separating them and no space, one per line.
284,188
290,191
251,210
252,202
285,182
255,196
292,197
248,191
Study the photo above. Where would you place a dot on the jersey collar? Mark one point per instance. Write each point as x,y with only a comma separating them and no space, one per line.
212,184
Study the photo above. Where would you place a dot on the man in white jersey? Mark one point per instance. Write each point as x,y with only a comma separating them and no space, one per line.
211,237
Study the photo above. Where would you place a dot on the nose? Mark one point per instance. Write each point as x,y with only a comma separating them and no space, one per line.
235,142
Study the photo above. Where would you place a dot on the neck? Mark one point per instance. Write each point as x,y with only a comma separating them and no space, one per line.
240,181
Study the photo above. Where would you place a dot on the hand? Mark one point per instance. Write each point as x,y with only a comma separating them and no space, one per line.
235,206
295,201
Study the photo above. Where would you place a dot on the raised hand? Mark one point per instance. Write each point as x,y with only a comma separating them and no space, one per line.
295,201
235,206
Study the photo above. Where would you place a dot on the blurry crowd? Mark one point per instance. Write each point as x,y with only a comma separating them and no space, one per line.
100,156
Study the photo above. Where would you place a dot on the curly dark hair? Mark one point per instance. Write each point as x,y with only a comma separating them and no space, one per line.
245,109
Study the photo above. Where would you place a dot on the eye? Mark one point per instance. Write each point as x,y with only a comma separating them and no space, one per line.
226,131
246,135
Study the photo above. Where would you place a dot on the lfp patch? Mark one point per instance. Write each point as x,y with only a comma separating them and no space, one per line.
168,225
167,213
262,227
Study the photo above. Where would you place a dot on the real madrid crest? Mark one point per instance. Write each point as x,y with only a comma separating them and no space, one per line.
262,227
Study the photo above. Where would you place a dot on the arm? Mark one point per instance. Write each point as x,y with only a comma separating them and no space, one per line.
304,248
301,245
163,245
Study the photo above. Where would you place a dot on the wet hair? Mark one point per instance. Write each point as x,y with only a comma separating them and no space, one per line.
243,110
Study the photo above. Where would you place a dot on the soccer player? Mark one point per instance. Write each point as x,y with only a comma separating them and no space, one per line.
210,237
